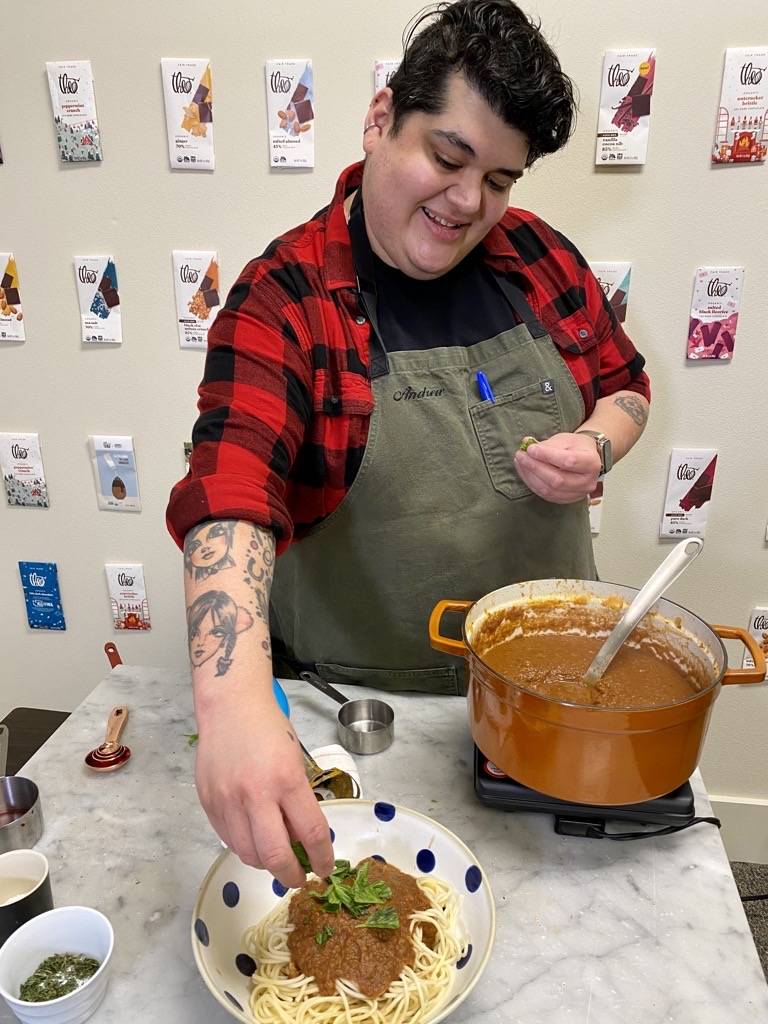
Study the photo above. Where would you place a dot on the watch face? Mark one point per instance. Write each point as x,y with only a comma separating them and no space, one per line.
606,454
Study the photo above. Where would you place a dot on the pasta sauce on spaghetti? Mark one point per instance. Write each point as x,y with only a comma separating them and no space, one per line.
329,946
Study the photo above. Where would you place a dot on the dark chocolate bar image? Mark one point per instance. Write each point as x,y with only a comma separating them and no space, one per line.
105,284
206,283
701,492
641,105
637,86
618,302
211,297
299,93
7,281
205,113
111,297
200,93
304,111
12,296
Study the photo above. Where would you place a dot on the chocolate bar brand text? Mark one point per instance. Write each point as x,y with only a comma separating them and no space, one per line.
68,85
124,579
86,276
685,472
761,622
750,75
187,274
716,287
180,83
18,452
35,580
617,75
280,83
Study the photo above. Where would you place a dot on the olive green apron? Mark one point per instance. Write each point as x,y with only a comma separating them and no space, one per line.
436,510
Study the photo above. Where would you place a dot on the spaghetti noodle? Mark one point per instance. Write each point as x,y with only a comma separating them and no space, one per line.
411,999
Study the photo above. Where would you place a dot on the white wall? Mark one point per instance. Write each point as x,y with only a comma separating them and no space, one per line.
668,217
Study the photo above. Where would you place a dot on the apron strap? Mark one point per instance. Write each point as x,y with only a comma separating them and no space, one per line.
366,285
515,296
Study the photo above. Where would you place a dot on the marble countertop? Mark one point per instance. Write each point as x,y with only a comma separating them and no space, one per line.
589,931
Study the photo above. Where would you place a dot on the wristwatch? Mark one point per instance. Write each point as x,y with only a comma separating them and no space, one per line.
604,449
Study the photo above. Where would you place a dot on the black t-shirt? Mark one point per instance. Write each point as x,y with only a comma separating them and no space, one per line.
462,307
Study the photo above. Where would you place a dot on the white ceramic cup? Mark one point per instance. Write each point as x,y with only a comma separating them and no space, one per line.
63,930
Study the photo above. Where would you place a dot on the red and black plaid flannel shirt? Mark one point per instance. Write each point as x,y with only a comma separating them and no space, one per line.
285,401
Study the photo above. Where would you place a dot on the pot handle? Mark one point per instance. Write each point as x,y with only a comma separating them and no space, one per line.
743,675
436,639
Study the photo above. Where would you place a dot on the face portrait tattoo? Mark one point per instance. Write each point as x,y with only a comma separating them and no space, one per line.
207,551
213,622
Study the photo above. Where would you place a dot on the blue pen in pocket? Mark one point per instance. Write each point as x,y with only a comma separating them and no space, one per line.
484,387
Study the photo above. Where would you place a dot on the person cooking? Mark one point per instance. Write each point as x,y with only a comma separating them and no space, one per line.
367,387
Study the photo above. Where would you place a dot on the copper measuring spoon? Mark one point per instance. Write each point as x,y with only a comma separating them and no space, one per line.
111,754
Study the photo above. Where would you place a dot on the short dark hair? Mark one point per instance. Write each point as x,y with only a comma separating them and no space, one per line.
502,54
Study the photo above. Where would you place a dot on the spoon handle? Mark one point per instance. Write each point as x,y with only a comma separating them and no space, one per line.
679,558
116,723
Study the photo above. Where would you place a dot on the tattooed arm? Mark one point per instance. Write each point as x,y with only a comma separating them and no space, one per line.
565,468
249,773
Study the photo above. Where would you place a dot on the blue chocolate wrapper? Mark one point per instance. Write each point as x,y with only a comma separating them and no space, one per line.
40,581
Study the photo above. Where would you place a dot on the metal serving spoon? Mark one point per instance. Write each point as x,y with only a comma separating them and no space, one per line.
338,782
676,562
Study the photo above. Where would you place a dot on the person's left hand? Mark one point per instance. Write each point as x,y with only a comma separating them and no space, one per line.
562,469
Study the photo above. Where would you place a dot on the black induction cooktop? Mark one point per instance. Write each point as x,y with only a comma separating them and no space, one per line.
674,812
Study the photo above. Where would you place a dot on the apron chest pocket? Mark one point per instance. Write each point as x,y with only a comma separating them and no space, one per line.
501,426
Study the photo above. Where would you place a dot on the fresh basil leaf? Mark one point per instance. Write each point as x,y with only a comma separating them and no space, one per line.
384,917
323,935
301,855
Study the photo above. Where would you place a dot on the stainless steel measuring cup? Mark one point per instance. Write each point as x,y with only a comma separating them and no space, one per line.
365,725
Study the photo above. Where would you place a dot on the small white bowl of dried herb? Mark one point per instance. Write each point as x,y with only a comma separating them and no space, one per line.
55,967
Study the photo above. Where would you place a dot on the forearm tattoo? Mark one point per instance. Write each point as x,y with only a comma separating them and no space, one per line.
214,622
259,567
214,619
633,407
208,549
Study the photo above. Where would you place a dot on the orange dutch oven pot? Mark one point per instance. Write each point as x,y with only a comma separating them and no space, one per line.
593,755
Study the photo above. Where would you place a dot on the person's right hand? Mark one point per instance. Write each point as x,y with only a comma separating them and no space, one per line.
251,782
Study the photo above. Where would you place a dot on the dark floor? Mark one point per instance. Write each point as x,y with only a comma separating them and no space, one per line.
752,880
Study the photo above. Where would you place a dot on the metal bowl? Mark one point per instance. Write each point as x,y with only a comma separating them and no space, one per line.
21,816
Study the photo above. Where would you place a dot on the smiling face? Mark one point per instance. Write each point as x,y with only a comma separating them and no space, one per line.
205,639
434,191
209,546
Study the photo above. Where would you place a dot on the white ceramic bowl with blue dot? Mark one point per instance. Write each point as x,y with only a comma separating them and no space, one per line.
233,896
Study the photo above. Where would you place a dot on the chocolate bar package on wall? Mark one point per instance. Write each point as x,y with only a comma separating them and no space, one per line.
21,463
613,279
73,98
741,130
196,287
40,583
11,313
382,72
689,492
188,93
100,316
290,113
115,474
758,627
128,596
715,312
624,117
